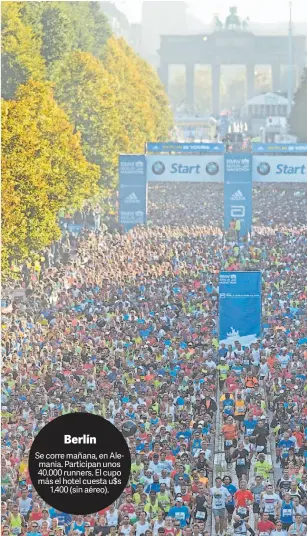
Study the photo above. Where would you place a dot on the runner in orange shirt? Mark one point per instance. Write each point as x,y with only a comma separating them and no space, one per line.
230,433
272,359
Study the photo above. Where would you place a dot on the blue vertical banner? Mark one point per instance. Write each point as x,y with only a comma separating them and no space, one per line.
132,191
239,307
238,192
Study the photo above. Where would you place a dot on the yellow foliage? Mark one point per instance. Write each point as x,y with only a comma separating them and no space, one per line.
20,54
43,169
83,88
140,96
57,148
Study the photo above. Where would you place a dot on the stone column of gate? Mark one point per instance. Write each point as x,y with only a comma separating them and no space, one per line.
276,77
189,86
216,75
163,73
250,69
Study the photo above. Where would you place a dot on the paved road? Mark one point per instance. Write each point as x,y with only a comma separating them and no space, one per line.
220,467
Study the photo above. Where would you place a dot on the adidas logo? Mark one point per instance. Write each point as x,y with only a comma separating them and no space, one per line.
132,198
237,196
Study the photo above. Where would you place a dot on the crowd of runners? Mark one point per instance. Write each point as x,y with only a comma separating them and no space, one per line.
126,326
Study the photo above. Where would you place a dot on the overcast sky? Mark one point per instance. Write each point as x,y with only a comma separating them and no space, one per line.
256,10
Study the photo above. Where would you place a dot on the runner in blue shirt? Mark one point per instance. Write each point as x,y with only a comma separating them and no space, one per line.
228,405
230,505
284,445
179,512
249,425
287,512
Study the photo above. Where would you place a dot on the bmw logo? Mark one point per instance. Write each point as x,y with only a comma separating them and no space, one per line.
158,168
212,168
263,168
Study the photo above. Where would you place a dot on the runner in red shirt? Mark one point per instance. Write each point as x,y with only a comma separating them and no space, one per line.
265,525
243,499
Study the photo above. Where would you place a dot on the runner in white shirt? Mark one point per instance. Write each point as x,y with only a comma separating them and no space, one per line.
299,508
112,517
270,502
255,359
159,523
220,495
210,363
279,531
298,528
125,528
141,526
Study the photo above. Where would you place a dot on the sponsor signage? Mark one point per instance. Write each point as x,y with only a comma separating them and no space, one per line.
238,192
176,147
132,190
279,148
190,168
239,307
279,168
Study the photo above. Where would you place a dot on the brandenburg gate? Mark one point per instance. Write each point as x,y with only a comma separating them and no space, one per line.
228,47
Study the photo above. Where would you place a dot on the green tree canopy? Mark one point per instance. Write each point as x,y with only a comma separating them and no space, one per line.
66,26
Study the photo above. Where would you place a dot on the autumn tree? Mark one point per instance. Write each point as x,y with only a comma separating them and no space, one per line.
140,96
43,170
67,26
20,57
74,99
116,104
158,100
57,32
298,117
83,88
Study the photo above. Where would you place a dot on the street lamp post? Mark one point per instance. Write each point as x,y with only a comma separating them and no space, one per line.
290,62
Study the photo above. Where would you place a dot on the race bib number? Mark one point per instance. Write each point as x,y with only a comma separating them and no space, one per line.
242,510
259,448
200,515
228,442
179,515
240,461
